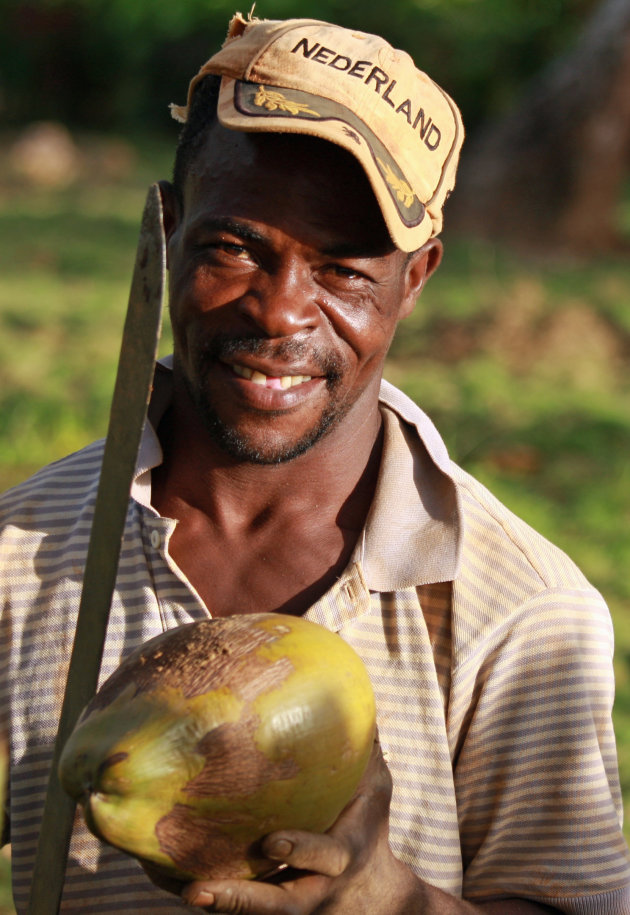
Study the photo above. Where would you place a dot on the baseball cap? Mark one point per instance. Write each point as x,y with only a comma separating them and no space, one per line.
351,88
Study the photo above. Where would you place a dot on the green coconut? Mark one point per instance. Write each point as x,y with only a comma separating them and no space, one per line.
214,734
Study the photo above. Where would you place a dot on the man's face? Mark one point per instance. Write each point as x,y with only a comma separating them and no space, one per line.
285,292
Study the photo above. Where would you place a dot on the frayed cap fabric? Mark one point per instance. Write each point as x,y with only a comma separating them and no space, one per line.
353,89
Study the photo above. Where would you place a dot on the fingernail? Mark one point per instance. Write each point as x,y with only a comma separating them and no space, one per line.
200,899
280,849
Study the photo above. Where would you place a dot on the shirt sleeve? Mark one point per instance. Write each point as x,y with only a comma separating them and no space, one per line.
535,769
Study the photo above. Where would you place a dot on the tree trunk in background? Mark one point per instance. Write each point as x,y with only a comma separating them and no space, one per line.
549,175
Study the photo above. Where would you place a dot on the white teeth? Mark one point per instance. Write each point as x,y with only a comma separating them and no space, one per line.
243,371
286,381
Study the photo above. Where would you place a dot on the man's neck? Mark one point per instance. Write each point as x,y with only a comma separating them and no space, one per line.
336,477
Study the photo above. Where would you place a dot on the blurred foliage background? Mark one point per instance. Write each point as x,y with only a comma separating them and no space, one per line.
519,348
107,64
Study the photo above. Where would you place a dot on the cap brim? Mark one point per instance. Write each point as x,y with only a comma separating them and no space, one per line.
255,107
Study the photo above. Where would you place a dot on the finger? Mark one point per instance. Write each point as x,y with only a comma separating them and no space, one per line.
308,851
244,897
330,854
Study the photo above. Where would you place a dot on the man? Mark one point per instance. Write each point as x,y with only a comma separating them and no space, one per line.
279,473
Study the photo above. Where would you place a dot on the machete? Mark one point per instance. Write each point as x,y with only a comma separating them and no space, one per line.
136,364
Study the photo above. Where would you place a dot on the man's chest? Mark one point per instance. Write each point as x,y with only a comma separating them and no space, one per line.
274,568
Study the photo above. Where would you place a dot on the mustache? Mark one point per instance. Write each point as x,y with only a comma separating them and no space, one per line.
224,346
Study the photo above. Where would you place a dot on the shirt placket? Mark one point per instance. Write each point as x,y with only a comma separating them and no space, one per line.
347,599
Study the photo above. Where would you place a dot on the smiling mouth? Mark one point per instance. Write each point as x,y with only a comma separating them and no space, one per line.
269,381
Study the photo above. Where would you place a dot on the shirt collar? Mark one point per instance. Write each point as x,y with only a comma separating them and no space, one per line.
412,533
150,454
413,530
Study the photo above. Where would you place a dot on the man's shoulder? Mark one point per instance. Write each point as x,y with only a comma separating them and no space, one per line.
56,491
495,536
495,546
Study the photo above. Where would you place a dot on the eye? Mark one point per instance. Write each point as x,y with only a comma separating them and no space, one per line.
224,252
233,249
347,271
350,274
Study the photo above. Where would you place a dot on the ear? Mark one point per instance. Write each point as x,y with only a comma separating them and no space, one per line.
420,265
170,209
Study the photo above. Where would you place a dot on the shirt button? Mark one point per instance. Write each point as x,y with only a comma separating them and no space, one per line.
155,539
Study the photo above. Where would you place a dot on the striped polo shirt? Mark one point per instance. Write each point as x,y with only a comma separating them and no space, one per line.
489,652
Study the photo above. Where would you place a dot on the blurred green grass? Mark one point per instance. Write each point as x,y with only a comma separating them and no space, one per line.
524,365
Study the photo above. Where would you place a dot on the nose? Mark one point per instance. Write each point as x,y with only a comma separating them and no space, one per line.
282,302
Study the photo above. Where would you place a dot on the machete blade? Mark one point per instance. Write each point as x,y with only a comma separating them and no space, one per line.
132,389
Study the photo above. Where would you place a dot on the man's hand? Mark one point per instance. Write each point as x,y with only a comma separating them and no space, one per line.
349,869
